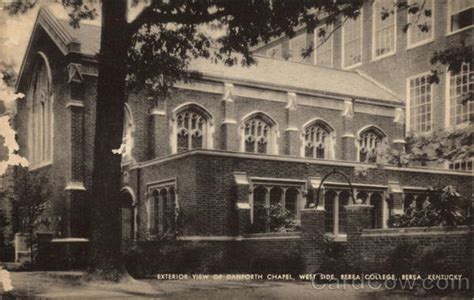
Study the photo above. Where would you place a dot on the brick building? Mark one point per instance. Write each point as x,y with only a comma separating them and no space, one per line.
223,150
373,47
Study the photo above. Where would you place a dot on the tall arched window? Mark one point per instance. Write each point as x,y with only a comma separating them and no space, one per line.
192,128
370,140
40,100
258,134
318,140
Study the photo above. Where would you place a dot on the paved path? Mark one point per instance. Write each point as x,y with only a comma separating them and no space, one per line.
69,285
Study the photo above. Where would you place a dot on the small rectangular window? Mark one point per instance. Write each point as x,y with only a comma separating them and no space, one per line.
421,27
419,101
323,44
297,46
384,29
352,42
460,14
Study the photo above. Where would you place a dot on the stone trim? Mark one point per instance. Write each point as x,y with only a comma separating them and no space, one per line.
75,186
410,231
75,103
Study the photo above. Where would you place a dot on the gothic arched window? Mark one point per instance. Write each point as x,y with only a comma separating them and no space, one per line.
192,125
370,140
318,140
258,135
40,105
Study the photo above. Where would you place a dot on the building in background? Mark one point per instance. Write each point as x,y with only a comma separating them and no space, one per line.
398,60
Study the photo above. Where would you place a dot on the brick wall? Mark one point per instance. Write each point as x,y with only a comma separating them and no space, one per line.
376,245
205,183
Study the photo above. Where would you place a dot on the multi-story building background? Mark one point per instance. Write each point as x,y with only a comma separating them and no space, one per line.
399,60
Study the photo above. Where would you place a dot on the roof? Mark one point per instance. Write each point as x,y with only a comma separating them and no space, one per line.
267,71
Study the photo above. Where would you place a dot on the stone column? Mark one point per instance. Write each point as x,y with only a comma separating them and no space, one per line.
160,137
292,133
348,148
242,205
312,237
229,140
399,124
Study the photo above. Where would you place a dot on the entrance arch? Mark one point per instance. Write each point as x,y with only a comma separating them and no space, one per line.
127,215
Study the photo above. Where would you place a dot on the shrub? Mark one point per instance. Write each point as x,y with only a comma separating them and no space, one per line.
401,259
440,209
334,259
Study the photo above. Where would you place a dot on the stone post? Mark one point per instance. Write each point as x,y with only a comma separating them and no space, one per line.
312,237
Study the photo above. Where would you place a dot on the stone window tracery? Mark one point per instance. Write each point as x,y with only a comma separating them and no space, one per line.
318,140
370,141
192,129
258,134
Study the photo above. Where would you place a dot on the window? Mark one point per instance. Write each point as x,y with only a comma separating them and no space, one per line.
419,104
461,86
323,51
275,52
41,114
352,42
417,33
370,140
258,134
192,129
318,140
297,46
334,202
275,206
461,165
384,29
460,14
162,208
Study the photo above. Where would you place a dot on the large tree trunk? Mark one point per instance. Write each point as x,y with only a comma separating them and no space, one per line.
105,260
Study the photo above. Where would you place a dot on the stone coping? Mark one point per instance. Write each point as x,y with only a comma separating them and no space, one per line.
295,159
417,231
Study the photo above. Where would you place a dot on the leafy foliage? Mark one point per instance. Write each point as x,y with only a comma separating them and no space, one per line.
440,146
30,196
441,208
279,219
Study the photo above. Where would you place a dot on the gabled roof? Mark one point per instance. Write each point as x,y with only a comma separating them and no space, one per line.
268,71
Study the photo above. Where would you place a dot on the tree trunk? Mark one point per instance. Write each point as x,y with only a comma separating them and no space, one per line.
105,259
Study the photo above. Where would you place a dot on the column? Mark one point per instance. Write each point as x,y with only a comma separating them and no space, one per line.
336,213
348,147
229,140
292,133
